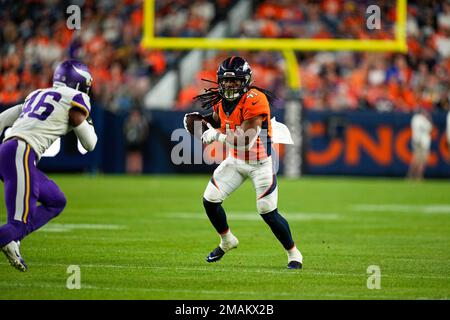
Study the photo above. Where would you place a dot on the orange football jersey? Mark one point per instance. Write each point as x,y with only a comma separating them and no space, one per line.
251,104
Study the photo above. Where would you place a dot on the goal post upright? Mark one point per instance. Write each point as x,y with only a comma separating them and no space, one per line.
274,44
287,47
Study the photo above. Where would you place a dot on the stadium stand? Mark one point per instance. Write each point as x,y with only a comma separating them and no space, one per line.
125,72
34,38
352,80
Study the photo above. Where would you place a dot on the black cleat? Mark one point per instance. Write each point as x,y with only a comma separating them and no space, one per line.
294,265
215,255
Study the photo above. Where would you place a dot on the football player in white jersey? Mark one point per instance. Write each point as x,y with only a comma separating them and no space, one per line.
421,127
44,116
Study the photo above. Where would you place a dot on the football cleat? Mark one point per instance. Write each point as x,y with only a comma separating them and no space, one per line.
215,255
294,265
224,246
12,252
295,259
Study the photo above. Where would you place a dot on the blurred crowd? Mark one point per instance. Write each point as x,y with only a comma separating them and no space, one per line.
34,37
189,18
386,81
350,80
318,19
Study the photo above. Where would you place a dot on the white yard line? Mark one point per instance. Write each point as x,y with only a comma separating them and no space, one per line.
239,270
254,216
238,216
67,227
4,284
428,208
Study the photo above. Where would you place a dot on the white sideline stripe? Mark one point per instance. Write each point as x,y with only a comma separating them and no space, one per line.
221,292
254,216
66,227
239,270
429,208
5,284
20,183
190,269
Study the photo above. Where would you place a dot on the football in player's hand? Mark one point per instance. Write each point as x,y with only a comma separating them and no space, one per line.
195,124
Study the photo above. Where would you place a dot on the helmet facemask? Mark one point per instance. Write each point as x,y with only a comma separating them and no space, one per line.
233,77
232,87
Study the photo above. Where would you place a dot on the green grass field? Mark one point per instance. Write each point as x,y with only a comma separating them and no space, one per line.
147,238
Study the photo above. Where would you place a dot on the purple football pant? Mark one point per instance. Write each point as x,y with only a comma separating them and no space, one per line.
24,186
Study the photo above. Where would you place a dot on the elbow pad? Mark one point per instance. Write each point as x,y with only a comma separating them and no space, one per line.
86,134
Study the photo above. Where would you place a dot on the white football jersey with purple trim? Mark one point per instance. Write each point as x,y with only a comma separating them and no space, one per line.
45,116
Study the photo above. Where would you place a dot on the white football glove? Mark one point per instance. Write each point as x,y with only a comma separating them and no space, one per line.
185,119
210,135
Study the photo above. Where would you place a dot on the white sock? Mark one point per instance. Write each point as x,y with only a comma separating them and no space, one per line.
226,236
294,254
228,241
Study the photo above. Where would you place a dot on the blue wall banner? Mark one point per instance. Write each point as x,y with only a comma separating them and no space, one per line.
368,143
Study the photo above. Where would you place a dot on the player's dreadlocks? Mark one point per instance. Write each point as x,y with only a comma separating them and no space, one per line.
212,96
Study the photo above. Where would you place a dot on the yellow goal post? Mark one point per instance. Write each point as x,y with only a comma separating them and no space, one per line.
286,46
293,107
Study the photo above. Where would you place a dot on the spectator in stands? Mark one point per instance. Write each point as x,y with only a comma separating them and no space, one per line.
393,82
33,37
421,127
112,31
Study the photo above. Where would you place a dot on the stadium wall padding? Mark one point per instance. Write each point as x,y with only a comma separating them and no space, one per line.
368,143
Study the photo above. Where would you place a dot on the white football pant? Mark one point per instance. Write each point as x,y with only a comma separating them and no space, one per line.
232,172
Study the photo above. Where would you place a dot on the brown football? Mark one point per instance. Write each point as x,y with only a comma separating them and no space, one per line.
196,125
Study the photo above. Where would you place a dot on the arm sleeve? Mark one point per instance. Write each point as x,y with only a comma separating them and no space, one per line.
86,134
8,117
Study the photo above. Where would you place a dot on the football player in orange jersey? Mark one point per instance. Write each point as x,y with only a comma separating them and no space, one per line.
242,115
